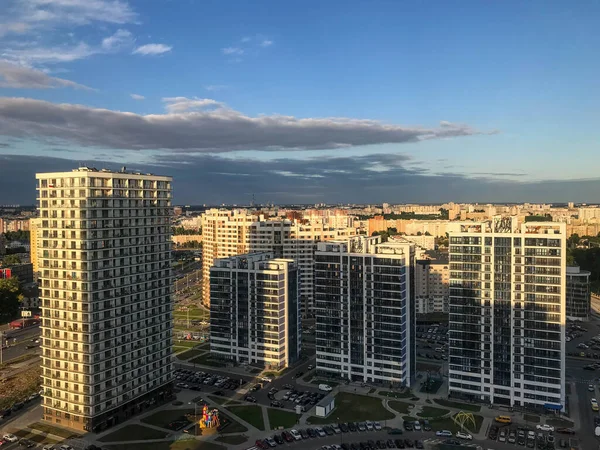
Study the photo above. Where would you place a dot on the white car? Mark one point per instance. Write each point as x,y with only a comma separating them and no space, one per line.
377,426
461,435
66,447
297,436
591,388
267,379
417,425
325,387
545,427
10,438
369,425
444,433
320,431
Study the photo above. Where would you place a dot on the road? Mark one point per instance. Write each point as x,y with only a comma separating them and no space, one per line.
18,340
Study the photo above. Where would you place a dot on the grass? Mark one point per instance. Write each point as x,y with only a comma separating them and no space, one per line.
185,343
429,412
18,387
37,438
251,414
56,431
400,407
188,354
134,432
404,394
233,440
188,444
208,360
355,408
19,359
279,418
458,405
166,416
233,426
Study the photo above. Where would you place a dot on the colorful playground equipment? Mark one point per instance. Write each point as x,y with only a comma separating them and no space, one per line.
210,418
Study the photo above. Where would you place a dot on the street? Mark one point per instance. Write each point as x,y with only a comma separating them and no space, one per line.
18,341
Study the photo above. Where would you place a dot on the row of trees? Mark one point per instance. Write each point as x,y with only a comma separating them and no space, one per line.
10,298
178,231
20,235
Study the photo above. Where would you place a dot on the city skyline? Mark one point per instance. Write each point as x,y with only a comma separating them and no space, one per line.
360,103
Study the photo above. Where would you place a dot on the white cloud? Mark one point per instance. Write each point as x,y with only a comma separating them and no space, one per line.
266,43
33,55
246,39
217,129
20,77
137,97
121,38
215,87
75,12
14,27
183,104
232,51
152,49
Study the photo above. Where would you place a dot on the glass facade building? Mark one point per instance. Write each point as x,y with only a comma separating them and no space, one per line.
364,310
254,310
579,294
507,313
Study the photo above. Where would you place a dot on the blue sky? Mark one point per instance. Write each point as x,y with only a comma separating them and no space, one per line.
478,95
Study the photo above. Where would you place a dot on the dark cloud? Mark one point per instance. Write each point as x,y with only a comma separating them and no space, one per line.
379,178
216,130
21,77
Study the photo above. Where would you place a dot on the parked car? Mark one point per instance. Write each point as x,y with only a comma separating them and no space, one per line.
462,435
443,433
10,437
325,387
544,427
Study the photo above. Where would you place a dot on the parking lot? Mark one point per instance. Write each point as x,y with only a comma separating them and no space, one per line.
541,437
432,342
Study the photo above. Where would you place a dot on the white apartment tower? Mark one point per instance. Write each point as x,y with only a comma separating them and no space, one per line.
254,310
364,310
508,313
104,250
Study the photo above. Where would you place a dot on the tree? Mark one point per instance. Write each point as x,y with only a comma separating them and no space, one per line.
427,233
10,296
10,260
573,240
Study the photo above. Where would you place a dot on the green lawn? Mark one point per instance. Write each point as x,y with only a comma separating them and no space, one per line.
396,394
134,432
37,438
458,405
531,418
208,360
401,407
188,444
233,425
446,423
194,314
166,416
188,354
185,343
251,414
50,429
430,412
355,408
279,418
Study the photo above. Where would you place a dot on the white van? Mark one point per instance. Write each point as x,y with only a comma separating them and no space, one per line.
325,387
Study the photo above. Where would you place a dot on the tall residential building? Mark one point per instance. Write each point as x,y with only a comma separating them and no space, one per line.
233,232
579,294
34,232
508,313
432,285
254,310
364,312
105,289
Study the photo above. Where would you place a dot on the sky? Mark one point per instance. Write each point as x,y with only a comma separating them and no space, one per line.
306,102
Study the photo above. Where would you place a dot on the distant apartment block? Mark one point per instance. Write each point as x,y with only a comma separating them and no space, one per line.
364,313
508,313
254,310
105,287
423,241
34,242
579,295
432,285
233,232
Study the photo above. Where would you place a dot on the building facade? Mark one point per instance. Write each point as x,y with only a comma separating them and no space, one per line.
254,310
432,286
105,289
579,294
364,313
507,313
34,232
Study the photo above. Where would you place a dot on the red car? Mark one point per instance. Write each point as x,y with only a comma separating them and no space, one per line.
287,436
261,444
